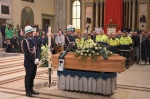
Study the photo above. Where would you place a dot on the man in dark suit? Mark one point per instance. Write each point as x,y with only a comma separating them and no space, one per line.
30,61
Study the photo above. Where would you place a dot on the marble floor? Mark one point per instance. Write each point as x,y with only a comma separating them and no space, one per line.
134,83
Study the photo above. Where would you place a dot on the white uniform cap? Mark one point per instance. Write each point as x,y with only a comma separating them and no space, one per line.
28,29
69,28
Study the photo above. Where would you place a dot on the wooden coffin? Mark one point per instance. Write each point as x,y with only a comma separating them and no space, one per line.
115,63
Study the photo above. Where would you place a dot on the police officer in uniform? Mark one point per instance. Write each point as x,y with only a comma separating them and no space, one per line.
70,39
30,61
125,46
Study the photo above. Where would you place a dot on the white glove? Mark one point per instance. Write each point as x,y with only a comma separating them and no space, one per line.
36,61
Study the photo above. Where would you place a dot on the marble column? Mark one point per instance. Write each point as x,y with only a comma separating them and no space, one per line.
60,8
123,20
127,13
101,12
133,15
96,21
129,24
136,14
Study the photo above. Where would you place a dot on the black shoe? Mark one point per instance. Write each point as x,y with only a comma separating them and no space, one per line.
28,94
34,92
127,67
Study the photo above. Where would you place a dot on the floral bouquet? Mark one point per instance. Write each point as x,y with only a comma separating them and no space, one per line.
44,56
93,51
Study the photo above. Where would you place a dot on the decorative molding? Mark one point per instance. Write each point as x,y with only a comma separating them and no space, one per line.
143,1
6,1
89,0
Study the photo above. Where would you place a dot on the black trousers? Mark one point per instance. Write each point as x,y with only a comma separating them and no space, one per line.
29,77
147,55
113,49
127,55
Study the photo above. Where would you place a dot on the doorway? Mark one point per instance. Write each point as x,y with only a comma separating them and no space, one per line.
46,23
48,20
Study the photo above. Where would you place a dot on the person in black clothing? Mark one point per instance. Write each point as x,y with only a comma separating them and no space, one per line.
14,43
52,43
143,46
66,41
8,46
30,61
3,27
93,36
43,40
19,40
37,43
70,43
136,47
147,48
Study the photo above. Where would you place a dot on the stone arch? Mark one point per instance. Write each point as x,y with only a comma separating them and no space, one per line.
27,17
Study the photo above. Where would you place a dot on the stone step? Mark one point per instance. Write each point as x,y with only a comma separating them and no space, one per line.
10,63
18,64
11,56
11,69
18,75
2,55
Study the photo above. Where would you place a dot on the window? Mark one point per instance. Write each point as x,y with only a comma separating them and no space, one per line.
76,14
4,9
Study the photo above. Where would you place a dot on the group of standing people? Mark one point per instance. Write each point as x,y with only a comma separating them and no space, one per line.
132,45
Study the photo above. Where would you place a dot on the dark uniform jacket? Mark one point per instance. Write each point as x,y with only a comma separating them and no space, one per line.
29,52
147,43
136,41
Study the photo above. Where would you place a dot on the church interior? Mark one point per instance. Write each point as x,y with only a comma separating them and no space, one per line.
75,49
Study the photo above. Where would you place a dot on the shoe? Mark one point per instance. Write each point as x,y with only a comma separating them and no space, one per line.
28,94
34,92
127,67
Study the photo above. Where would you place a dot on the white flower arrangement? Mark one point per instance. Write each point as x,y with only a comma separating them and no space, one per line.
44,56
93,51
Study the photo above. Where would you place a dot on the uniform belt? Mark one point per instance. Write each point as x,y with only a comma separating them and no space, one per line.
125,50
125,44
113,45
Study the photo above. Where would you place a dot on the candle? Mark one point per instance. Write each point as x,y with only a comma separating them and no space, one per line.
49,46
